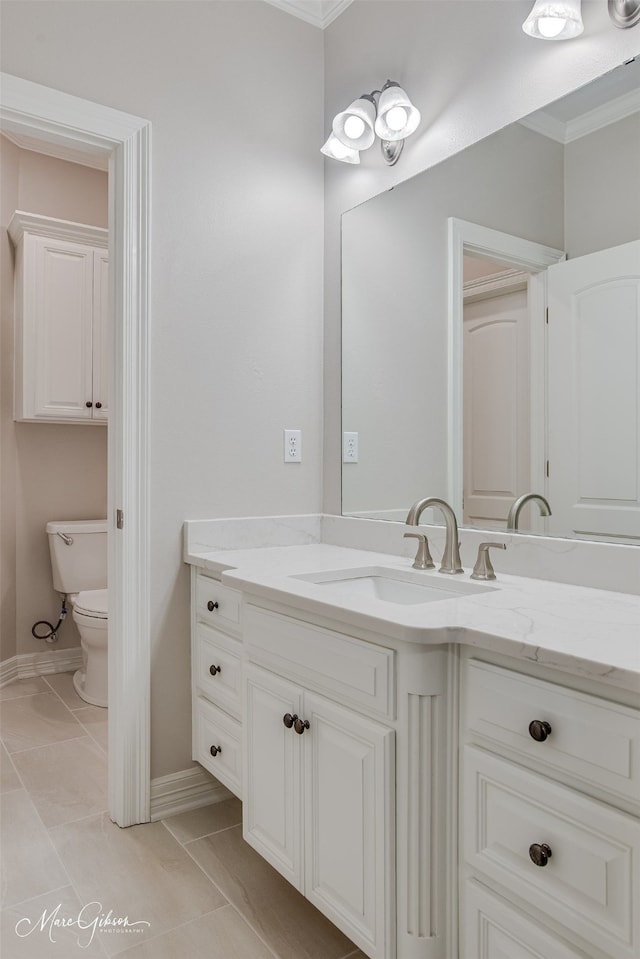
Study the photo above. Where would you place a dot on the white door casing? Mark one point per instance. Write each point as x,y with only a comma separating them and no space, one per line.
54,117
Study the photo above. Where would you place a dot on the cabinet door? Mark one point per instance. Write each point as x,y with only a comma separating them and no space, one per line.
271,809
349,822
57,335
100,334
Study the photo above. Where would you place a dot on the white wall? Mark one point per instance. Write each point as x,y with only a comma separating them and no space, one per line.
471,70
236,335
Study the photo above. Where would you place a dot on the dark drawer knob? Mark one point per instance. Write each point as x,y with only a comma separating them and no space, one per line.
215,669
98,406
539,729
289,720
88,404
539,853
211,605
300,725
215,750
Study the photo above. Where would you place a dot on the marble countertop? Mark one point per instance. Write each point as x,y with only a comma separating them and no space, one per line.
585,631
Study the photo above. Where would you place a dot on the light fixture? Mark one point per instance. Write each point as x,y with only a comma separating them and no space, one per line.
554,20
392,117
624,13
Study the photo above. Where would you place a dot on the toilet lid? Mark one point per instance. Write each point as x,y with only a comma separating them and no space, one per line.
93,602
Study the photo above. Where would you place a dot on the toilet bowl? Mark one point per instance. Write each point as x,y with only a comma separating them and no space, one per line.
90,614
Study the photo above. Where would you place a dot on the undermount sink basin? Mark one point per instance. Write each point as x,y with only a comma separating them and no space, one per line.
404,587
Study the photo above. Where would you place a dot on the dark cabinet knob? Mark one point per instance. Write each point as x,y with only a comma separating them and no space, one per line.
539,853
289,720
215,669
98,406
300,725
88,404
211,606
215,750
539,729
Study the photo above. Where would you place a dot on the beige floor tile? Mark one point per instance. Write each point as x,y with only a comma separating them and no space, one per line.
30,866
222,934
66,781
62,684
8,776
49,927
95,720
23,687
36,721
141,872
287,922
197,823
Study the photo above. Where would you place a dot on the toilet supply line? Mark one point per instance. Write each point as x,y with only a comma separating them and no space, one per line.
52,635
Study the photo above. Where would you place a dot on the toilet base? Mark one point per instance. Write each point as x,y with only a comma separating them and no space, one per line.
80,683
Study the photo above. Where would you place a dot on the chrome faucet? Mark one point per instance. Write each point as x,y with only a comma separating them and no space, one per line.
514,512
451,556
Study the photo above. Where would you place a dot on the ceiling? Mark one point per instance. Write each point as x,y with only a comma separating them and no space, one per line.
318,12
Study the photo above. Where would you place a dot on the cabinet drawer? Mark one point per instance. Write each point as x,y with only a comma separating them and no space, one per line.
592,877
590,738
213,728
216,604
492,929
218,669
357,673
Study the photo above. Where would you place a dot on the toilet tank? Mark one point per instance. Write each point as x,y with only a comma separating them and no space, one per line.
82,563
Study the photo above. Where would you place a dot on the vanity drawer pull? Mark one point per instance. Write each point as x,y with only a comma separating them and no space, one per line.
215,750
215,669
211,606
539,853
539,729
300,725
289,720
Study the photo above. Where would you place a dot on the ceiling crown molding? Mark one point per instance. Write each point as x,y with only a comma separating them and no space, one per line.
320,13
57,150
580,126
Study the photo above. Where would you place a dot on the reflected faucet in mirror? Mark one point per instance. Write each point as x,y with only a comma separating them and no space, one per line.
451,555
517,505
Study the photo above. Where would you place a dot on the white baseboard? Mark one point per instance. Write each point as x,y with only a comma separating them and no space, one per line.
28,665
185,790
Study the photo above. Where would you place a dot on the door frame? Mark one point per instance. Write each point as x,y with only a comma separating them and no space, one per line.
465,237
48,115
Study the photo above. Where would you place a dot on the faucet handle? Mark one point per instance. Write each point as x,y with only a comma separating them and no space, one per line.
423,558
483,568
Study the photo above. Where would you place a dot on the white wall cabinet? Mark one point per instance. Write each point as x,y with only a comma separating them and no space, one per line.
61,370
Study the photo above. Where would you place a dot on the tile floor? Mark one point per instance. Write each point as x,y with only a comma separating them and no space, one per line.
188,886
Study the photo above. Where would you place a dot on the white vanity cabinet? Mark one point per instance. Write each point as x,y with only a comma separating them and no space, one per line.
216,678
61,320
549,815
319,799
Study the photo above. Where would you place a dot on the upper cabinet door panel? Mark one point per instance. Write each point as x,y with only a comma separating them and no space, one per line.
101,350
59,327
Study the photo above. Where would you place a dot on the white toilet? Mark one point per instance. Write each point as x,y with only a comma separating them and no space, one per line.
78,551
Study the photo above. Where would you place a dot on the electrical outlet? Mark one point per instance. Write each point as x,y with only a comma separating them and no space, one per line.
293,446
349,447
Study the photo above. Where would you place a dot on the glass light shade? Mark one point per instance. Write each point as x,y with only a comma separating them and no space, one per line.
356,135
397,116
554,20
335,149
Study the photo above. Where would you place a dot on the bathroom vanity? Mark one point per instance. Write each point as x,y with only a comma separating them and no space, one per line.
442,776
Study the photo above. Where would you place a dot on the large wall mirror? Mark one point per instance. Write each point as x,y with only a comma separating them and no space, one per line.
491,328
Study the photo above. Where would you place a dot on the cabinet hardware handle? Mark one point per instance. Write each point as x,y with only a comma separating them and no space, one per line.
300,725
539,729
98,406
539,853
289,720
215,669
211,606
88,404
215,750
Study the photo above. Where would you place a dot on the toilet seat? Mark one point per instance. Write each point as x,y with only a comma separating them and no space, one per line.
93,603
